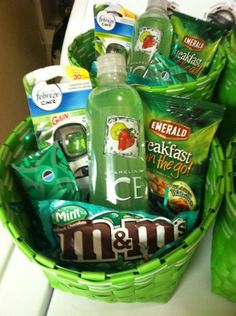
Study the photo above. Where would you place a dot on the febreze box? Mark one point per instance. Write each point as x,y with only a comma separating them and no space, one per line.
57,97
113,28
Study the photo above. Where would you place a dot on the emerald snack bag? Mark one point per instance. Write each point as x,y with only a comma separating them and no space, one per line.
194,43
178,135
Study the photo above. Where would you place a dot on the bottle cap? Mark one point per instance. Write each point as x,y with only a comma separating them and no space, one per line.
157,3
110,63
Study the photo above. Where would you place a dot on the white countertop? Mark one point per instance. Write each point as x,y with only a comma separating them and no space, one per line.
24,290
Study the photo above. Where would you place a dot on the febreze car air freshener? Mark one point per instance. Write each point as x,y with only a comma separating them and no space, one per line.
58,113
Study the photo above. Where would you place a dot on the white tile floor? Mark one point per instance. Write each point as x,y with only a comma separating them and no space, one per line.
24,291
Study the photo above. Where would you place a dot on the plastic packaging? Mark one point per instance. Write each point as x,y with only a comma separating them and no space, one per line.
194,43
117,169
113,29
45,174
152,32
178,135
58,113
161,71
99,238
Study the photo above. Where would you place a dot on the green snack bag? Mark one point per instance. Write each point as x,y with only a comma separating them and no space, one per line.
194,43
164,70
161,71
93,236
47,175
178,135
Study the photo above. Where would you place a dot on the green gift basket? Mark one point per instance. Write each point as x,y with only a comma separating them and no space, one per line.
81,52
225,94
155,281
223,259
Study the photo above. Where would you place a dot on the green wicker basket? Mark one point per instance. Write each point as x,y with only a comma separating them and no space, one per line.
81,53
223,259
155,281
225,94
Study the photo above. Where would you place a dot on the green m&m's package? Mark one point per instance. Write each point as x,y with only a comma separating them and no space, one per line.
99,238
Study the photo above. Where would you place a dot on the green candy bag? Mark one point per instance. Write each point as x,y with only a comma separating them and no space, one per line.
194,43
178,135
99,238
45,174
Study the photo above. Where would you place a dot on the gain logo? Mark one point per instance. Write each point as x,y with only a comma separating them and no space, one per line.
48,175
47,97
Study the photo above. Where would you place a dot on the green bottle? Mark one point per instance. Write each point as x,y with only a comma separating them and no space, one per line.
116,148
152,32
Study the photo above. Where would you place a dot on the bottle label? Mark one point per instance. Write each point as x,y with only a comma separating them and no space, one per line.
148,40
122,136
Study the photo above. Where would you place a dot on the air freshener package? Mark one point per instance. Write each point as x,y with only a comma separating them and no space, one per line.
86,233
113,29
194,43
58,113
178,135
45,174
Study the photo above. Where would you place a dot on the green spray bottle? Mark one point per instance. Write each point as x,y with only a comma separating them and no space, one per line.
116,148
152,32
